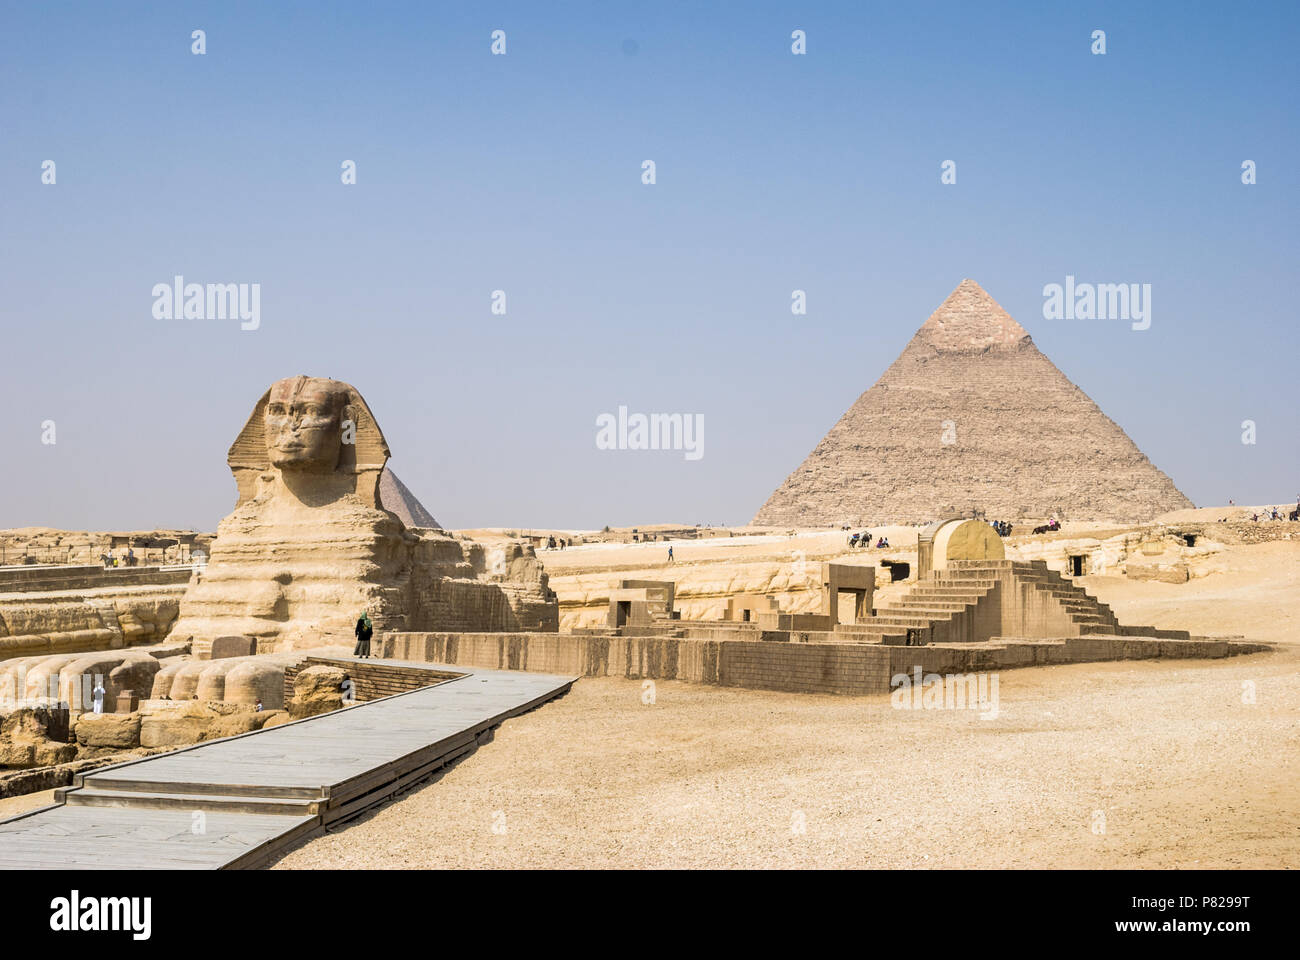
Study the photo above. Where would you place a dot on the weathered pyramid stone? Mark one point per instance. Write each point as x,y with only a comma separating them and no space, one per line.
396,497
971,416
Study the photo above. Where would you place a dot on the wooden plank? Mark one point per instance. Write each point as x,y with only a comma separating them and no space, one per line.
353,759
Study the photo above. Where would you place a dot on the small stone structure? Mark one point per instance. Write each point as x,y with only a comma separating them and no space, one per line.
370,679
838,578
641,603
748,607
223,647
956,539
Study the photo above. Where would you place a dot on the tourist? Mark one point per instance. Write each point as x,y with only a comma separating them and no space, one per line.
365,629
258,708
866,539
670,554
99,696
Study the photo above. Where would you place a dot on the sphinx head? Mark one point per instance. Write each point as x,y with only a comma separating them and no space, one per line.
307,429
304,424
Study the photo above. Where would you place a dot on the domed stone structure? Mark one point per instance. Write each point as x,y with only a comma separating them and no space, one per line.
966,540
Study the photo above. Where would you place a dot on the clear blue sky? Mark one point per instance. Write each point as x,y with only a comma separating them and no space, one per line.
523,173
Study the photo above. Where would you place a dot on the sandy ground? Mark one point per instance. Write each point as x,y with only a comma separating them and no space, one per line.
1140,764
1258,596
1133,764
12,806
1150,764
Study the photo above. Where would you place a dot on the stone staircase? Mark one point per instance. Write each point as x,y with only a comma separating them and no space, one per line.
964,604
1082,609
143,795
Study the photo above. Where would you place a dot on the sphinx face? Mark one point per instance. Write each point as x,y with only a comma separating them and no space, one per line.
304,424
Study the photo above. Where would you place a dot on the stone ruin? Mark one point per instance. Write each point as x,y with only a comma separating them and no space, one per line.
310,545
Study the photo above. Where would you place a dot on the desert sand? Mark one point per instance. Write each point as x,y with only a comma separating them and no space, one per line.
1145,764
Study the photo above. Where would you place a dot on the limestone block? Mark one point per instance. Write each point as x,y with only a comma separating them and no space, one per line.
163,731
109,731
35,735
235,723
253,680
238,646
317,690
179,722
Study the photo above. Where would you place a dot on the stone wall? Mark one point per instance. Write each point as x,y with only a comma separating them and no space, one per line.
98,619
839,668
27,579
371,681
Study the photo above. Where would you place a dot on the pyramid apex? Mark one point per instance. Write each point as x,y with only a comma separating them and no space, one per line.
969,319
971,417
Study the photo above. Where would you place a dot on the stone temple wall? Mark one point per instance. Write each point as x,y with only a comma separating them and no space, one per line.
834,668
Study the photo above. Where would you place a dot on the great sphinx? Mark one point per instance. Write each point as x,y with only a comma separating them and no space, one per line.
310,545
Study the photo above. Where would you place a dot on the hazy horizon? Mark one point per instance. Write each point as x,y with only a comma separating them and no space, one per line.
522,172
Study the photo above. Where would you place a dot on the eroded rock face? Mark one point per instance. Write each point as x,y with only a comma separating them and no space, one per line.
309,545
275,718
35,735
103,619
177,723
317,690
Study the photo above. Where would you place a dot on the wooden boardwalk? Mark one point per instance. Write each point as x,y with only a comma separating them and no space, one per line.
242,801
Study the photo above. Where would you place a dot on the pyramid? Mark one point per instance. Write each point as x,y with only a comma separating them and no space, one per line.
397,498
971,416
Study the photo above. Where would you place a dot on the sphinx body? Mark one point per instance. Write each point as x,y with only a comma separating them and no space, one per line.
309,545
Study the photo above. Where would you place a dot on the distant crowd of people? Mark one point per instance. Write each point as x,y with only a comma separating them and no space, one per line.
127,559
1001,527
